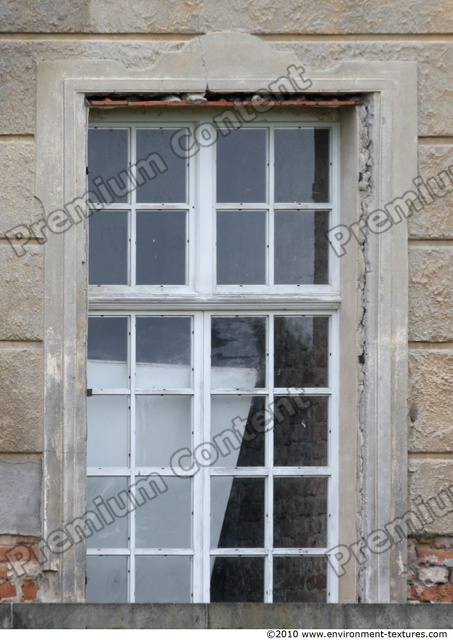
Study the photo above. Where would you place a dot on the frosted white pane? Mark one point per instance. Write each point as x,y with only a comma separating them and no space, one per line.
163,579
111,492
106,579
107,444
166,521
164,425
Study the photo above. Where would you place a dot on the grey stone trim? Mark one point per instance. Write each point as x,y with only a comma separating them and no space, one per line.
224,616
213,61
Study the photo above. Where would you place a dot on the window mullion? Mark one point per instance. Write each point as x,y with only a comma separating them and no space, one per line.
132,521
269,462
199,520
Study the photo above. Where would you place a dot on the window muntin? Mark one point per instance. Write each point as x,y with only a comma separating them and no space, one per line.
238,364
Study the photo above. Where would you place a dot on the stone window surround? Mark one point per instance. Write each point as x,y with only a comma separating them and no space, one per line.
376,489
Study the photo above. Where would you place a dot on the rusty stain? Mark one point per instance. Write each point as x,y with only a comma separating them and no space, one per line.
222,102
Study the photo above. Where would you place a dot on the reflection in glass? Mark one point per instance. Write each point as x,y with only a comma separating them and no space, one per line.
237,580
163,426
237,512
300,579
163,352
161,247
238,348
108,243
300,431
241,247
162,579
106,579
113,492
238,424
163,178
301,247
300,512
301,351
301,165
107,353
108,422
242,166
166,520
108,152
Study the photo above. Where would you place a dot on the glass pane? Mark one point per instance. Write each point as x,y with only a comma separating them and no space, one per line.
108,154
237,580
301,351
106,579
164,425
238,348
238,424
163,579
237,512
108,421
301,247
166,521
164,353
163,178
107,353
300,431
300,512
108,247
300,579
242,166
108,500
301,165
161,247
241,247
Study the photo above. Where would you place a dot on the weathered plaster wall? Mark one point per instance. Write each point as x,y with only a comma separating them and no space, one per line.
136,32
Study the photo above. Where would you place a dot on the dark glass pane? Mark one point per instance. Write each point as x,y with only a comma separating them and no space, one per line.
300,579
300,431
165,521
238,424
300,512
242,166
163,347
237,580
161,247
108,429
107,353
237,512
162,579
301,247
108,247
110,495
163,178
301,351
301,165
106,579
241,247
238,352
108,151
163,426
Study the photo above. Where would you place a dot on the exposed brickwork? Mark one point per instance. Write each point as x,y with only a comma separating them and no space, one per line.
430,574
24,551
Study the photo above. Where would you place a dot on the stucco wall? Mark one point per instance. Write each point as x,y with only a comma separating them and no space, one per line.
136,33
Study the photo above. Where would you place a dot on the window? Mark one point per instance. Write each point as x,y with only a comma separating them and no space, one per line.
212,358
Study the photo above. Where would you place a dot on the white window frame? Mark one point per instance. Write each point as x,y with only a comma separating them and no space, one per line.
201,288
